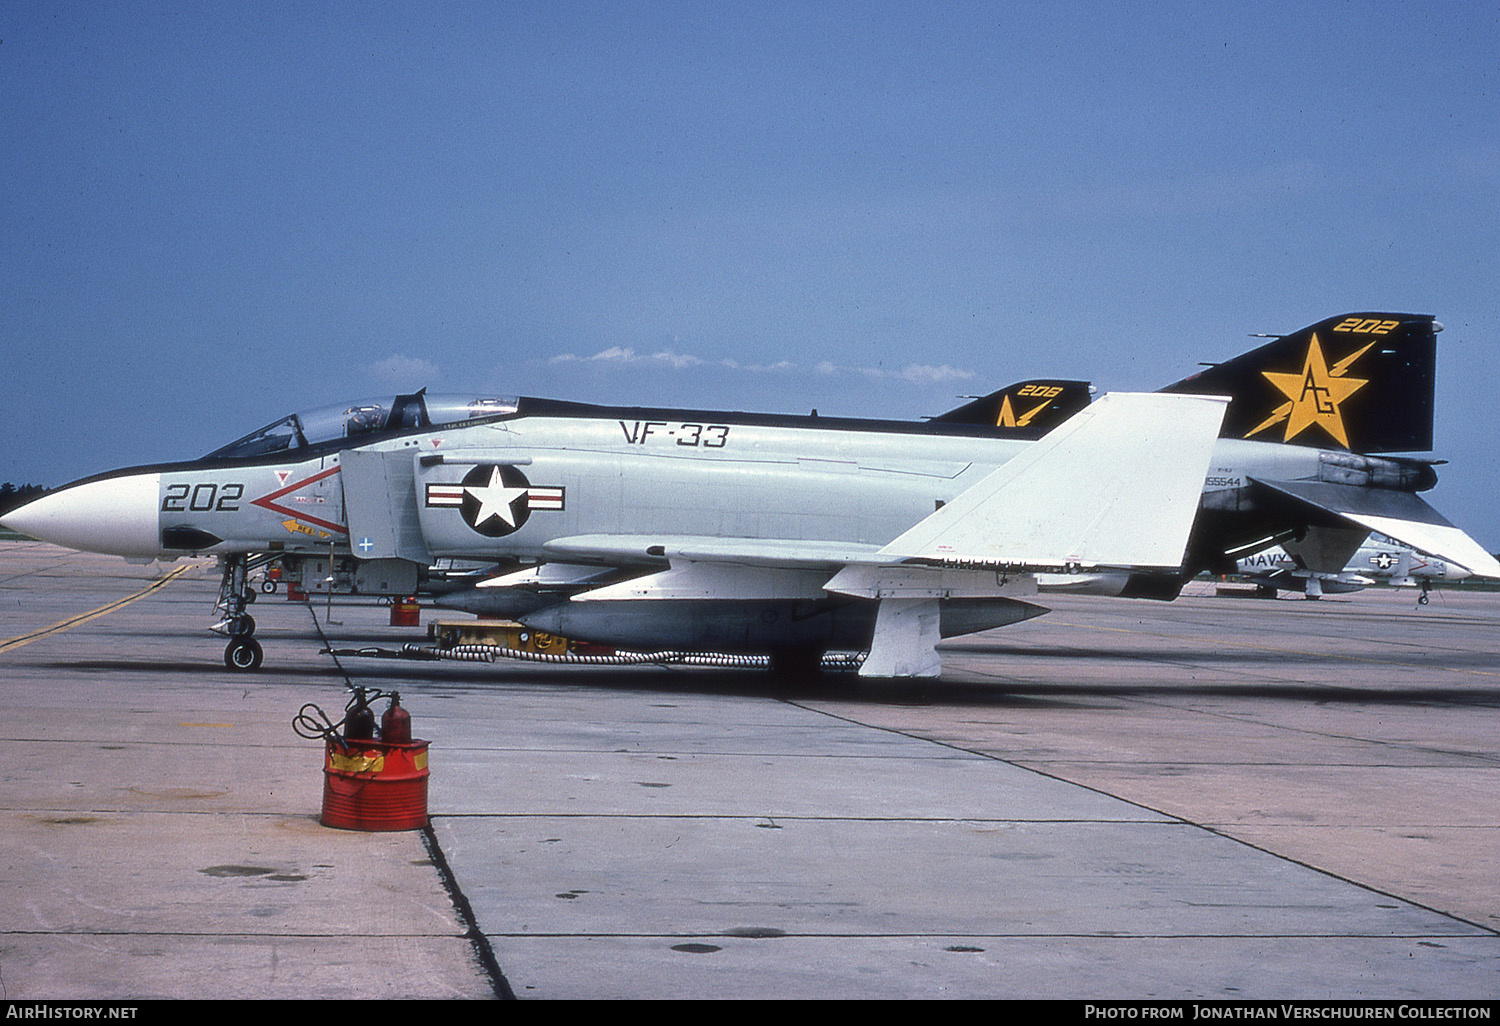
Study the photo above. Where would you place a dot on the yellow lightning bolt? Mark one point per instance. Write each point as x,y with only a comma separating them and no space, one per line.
1008,416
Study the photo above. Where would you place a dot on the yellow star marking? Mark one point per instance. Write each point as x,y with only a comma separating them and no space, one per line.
1008,417
1315,393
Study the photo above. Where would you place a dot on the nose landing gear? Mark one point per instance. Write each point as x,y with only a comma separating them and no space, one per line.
243,652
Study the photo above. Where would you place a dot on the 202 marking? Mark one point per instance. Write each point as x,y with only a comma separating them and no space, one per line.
202,498
1371,327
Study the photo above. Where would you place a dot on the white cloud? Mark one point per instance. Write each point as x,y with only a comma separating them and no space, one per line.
677,360
759,368
616,354
913,373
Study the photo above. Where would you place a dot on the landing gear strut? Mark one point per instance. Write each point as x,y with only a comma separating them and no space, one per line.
1422,598
243,652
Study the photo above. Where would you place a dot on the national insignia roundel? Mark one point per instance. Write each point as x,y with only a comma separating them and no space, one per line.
495,499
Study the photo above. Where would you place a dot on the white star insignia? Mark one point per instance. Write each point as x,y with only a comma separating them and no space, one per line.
495,500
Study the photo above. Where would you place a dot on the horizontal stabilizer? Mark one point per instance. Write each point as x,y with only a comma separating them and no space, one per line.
1401,516
1115,486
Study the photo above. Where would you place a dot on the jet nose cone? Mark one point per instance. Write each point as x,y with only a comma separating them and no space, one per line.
114,515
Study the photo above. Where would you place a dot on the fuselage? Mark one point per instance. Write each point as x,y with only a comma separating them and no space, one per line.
508,486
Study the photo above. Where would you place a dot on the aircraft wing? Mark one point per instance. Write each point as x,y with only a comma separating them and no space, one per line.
1116,486
1395,514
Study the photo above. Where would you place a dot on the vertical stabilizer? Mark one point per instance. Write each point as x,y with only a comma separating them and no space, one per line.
1362,382
1027,409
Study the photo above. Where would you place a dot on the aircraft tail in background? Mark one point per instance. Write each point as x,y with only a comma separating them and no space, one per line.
1027,409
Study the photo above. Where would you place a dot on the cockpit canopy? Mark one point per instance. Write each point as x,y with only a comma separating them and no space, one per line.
364,420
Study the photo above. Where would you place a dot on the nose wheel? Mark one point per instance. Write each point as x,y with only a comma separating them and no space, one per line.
243,652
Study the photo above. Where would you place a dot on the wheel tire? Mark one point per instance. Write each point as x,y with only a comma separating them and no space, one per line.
242,626
243,653
269,587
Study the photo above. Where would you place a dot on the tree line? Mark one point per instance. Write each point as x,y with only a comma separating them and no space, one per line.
12,495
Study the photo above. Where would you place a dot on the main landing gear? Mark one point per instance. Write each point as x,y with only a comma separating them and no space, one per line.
243,652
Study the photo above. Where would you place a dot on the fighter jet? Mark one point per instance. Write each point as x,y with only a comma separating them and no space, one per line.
795,536
1378,562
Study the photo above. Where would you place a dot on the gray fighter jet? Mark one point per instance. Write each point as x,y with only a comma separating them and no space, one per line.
1379,562
792,536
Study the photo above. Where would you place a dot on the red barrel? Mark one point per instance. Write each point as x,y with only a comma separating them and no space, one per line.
405,612
375,785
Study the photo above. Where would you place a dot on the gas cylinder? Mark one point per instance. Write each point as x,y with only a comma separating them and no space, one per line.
395,725
359,722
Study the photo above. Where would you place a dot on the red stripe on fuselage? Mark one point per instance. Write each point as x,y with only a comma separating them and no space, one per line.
269,502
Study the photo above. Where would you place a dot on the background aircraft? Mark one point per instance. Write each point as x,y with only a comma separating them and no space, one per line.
1378,562
725,531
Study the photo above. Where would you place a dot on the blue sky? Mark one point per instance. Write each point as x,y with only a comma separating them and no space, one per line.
218,213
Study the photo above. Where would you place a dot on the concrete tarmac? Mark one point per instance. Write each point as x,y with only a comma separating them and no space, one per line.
1212,798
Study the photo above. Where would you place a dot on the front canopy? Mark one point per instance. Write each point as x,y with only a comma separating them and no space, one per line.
363,420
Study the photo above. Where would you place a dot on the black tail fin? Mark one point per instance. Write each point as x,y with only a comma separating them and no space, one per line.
1362,382
1027,409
